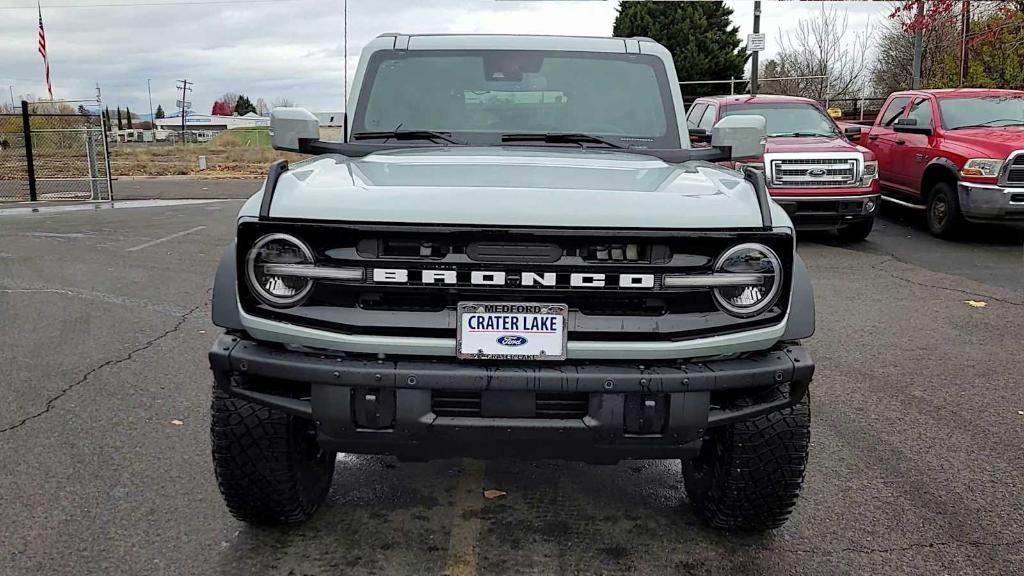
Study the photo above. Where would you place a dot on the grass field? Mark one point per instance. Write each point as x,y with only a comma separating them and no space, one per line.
238,153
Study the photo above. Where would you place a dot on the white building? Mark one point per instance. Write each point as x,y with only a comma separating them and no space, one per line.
210,123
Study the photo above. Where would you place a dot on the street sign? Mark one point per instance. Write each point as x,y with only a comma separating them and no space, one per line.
187,105
755,42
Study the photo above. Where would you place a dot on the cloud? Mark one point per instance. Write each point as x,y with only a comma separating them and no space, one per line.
290,48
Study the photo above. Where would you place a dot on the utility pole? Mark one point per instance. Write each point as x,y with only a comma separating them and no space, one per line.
918,46
753,59
152,118
965,32
184,105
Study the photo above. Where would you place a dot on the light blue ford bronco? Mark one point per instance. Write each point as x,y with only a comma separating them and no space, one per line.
513,252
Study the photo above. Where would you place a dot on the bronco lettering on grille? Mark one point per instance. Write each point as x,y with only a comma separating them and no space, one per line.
506,279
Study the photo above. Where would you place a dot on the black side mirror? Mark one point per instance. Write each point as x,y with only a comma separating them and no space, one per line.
909,126
853,133
701,135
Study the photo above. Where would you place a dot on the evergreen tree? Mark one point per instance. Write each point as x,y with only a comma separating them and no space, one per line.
120,125
160,111
106,116
128,113
704,43
244,106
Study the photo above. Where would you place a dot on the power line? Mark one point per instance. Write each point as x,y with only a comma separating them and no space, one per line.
150,4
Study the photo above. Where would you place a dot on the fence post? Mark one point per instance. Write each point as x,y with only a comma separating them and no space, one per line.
106,157
94,175
29,165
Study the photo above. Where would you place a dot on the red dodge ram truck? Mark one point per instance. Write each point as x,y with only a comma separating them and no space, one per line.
823,180
957,153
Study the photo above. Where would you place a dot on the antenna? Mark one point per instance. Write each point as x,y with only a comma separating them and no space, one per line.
344,40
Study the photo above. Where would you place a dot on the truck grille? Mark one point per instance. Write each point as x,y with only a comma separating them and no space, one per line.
1015,170
612,312
814,173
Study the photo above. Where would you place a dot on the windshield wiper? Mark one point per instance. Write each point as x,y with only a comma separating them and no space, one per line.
408,135
560,138
986,124
799,134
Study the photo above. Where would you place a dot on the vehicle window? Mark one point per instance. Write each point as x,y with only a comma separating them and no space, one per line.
922,112
894,111
794,119
707,120
480,95
696,111
991,111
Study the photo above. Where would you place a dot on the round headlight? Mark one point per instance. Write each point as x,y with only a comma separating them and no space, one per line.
752,259
273,289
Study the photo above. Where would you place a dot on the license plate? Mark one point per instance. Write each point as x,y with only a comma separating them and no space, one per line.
511,331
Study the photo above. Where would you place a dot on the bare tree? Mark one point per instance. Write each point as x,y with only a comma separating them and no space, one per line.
821,46
229,99
282,102
262,108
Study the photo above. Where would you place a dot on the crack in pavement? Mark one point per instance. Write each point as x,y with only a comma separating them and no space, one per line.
907,548
113,362
878,266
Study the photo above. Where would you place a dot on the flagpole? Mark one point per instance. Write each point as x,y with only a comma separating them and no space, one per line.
42,50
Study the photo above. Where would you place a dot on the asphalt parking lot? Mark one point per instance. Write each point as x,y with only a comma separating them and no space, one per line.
916,463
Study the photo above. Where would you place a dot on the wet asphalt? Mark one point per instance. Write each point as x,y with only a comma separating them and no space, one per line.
916,461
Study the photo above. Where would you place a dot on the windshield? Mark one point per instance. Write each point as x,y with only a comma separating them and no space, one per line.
788,119
984,111
480,95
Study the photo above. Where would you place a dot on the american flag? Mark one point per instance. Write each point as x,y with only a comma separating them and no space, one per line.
42,51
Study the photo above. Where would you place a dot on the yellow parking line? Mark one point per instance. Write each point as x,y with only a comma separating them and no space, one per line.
465,530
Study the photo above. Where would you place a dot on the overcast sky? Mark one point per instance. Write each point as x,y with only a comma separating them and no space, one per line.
290,48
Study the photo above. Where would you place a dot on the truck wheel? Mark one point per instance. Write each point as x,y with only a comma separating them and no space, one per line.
748,475
269,467
857,231
943,214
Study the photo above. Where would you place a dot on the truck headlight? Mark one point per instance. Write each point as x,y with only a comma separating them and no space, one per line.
278,289
870,172
986,167
750,300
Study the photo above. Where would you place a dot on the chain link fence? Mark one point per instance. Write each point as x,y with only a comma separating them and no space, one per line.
53,156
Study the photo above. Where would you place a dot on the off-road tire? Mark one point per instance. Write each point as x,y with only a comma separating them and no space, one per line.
748,475
857,231
268,465
943,211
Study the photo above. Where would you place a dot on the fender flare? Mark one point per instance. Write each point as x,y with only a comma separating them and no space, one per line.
943,162
801,303
224,308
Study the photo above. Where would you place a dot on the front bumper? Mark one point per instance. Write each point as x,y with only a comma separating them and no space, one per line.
628,410
990,202
826,212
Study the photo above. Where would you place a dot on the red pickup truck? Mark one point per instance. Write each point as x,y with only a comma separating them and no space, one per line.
957,153
824,181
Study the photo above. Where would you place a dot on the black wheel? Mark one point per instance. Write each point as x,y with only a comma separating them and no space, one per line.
857,231
748,475
943,211
269,467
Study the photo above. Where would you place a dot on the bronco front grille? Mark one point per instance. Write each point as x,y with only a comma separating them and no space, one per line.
814,173
616,311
